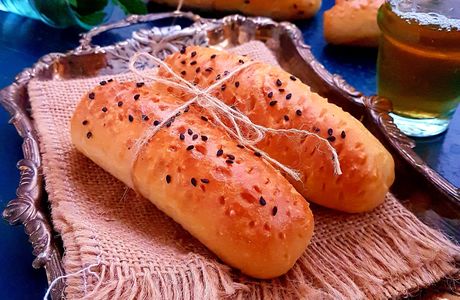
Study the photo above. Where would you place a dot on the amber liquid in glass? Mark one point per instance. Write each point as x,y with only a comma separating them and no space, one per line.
419,62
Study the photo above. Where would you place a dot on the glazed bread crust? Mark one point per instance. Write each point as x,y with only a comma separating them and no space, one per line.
234,202
276,9
273,98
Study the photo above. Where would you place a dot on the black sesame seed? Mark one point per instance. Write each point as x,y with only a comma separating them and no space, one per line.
316,129
91,96
293,78
204,118
89,134
198,70
189,131
241,61
187,109
130,118
240,146
223,87
110,80
193,63
226,73
145,117
190,147
209,69
269,95
194,137
85,122
288,96
220,152
204,138
104,109
136,97
183,72
139,84
262,201
272,103
231,156
278,82
257,153
237,84
286,118
156,122
330,131
183,62
182,51
298,112
218,77
213,56
103,82
229,161
168,178
193,54
205,180
331,138
193,181
182,136
120,103
168,124
281,90
274,210
343,134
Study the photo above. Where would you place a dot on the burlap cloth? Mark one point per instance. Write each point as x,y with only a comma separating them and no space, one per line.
142,254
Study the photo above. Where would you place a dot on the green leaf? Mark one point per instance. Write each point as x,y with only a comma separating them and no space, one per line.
93,19
73,2
88,7
132,6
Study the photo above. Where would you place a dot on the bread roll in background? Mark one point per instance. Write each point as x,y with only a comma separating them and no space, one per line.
273,98
276,9
231,200
353,22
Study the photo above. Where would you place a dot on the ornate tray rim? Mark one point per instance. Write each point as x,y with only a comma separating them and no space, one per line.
27,208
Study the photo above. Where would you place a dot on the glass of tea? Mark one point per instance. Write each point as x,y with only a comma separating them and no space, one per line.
418,65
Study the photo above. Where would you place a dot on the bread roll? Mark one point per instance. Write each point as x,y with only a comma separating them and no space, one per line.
277,9
274,98
353,23
234,202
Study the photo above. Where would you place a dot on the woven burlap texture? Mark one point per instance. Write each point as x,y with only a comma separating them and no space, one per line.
142,254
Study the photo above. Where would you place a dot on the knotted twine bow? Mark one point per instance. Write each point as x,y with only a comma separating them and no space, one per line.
203,98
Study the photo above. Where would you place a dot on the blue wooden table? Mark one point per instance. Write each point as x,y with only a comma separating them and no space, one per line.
23,41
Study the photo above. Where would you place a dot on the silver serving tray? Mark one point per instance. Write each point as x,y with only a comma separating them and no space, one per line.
441,200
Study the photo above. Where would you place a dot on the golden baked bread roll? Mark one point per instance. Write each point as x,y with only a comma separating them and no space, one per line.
234,202
276,9
353,22
274,98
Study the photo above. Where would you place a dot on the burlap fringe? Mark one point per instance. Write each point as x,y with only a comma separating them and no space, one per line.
323,273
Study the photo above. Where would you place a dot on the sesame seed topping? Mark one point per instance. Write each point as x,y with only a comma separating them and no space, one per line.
229,161
168,178
237,84
136,97
331,138
218,77
281,90
272,103
241,61
278,82
193,63
231,156
190,147
205,180
89,134
91,96
120,103
145,117
240,146
103,82
104,109
183,72
288,96
209,69
193,181
316,129
343,134
140,84
269,95
286,118
156,122
183,62
330,131
194,137
222,88
274,210
182,51
257,153
197,70
168,124
130,118
204,118
298,112
182,136
187,109
292,78
226,73
110,80
189,131
219,152
213,56
262,201
204,138
85,122
193,54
